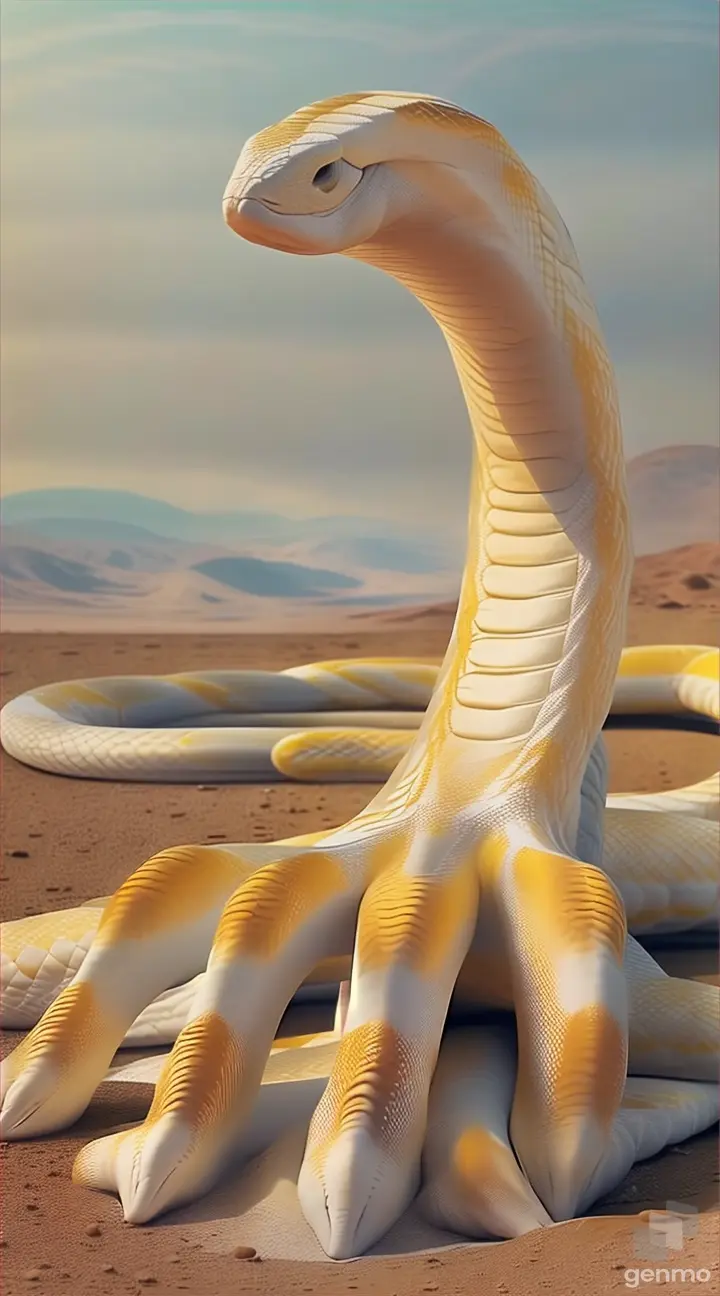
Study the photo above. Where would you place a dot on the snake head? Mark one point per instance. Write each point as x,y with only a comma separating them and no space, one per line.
339,175
295,188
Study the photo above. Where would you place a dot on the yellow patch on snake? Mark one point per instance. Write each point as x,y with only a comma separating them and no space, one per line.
519,183
706,666
356,672
413,920
202,1074
69,1031
310,755
291,129
449,117
275,902
573,907
27,940
375,1073
119,692
482,1166
216,694
58,696
659,659
491,855
590,1071
666,1098
299,1041
593,373
485,979
169,890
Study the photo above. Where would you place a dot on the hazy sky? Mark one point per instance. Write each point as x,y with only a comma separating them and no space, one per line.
145,347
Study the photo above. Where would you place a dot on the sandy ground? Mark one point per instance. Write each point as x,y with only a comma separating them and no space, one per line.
64,841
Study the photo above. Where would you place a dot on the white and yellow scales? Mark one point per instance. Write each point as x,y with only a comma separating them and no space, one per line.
487,867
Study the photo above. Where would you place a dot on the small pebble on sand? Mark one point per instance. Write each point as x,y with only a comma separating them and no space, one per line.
93,1230
244,1253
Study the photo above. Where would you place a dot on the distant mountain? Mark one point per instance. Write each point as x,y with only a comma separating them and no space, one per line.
117,545
248,575
674,497
85,513
145,581
275,579
388,554
137,560
79,528
21,564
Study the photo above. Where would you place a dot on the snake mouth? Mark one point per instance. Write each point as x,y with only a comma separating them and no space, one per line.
253,220
257,219
245,216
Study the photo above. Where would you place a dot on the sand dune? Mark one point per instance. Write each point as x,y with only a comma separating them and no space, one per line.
158,584
688,577
169,601
79,558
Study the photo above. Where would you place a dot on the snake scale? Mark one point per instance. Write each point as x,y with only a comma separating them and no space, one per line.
487,869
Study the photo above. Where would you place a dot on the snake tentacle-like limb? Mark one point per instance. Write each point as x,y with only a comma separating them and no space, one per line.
479,868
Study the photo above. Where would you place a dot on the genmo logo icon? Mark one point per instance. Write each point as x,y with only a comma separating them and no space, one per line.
660,1237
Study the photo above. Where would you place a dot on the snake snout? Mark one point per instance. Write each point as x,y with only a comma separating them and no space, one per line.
252,219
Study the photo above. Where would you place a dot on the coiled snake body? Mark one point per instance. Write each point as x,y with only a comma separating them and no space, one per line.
487,867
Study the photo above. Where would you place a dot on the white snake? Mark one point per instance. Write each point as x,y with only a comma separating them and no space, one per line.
479,869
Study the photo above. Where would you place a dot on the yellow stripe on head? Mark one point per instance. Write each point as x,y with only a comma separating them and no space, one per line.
292,129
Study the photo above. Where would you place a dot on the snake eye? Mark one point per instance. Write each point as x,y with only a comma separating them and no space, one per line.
326,178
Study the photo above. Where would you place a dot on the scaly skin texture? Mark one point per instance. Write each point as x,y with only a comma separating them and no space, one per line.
348,720
480,858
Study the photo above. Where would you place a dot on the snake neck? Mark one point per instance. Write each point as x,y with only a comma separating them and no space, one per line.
527,679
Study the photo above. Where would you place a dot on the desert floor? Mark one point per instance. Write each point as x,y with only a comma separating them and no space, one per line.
80,839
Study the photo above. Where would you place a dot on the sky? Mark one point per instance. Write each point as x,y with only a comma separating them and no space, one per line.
144,347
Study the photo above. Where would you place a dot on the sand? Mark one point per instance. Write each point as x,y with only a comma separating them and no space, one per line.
82,838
